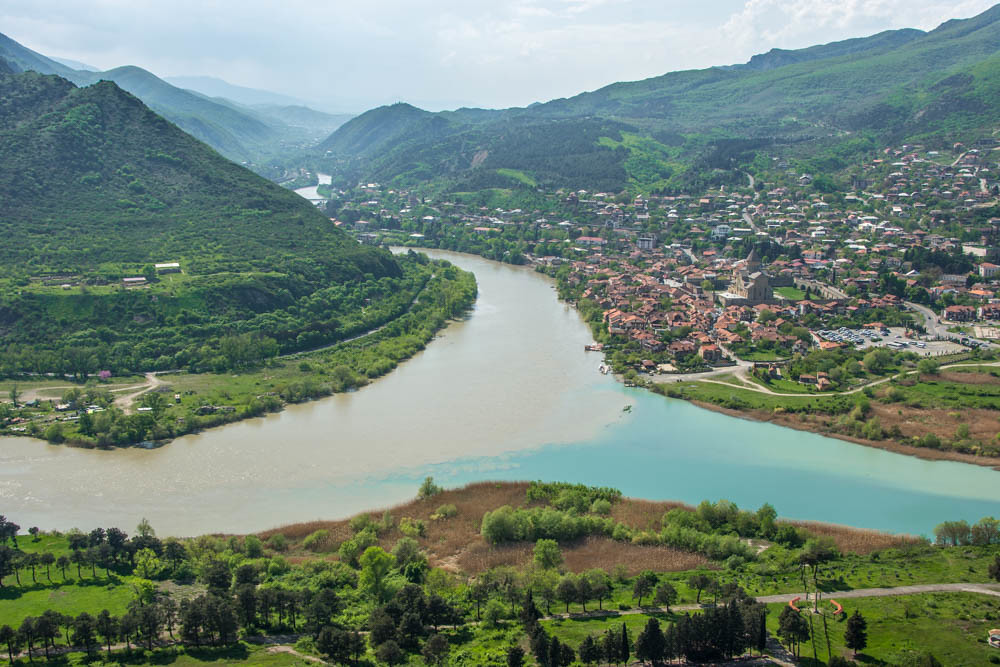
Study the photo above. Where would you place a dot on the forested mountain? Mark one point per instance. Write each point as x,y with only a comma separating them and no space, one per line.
669,131
239,133
94,187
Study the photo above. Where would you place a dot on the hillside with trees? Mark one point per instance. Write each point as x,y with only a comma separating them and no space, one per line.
97,189
694,128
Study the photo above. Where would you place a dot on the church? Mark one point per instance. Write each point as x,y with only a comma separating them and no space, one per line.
750,285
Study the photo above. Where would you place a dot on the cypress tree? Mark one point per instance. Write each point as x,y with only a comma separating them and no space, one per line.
856,634
625,645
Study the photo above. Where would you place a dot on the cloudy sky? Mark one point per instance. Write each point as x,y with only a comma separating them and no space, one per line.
350,55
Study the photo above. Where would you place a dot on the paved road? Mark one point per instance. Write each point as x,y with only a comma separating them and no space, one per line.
984,589
935,327
753,386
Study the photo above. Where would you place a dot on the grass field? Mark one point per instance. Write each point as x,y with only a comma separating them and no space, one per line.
70,597
791,293
951,626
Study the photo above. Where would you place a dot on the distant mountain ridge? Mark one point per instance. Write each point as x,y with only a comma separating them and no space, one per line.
241,134
668,132
216,87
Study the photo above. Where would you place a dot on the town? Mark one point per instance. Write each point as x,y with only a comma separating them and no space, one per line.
904,259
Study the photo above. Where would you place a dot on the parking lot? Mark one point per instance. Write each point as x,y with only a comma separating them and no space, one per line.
891,337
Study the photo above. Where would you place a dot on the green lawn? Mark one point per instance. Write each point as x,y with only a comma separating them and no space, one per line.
749,399
573,630
70,597
792,293
952,626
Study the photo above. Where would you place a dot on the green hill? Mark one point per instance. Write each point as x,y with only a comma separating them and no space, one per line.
672,131
97,187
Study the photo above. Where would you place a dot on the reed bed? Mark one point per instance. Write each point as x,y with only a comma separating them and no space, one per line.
857,540
455,543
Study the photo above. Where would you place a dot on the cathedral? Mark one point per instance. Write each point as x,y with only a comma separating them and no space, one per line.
750,285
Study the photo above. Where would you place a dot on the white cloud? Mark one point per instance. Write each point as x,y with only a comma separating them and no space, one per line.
358,53
765,24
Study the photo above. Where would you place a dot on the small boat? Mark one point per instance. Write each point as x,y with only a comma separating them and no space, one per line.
627,408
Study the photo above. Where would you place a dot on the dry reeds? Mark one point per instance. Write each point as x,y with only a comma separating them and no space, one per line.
640,514
455,543
606,554
857,540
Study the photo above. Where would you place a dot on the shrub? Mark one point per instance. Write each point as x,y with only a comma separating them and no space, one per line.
428,488
601,506
253,547
278,542
444,512
412,527
316,540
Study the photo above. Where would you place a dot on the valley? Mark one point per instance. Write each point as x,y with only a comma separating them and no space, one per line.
739,324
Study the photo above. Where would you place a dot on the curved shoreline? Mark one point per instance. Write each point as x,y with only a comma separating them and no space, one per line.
277,405
887,445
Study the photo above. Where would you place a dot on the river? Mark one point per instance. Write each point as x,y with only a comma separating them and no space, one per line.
312,192
507,393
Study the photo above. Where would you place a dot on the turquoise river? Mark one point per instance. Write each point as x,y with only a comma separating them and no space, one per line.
507,393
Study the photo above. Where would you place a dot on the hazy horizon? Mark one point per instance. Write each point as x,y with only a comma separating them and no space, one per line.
349,57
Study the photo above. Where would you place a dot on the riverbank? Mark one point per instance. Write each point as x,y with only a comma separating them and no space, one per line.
451,534
465,573
927,422
89,415
789,421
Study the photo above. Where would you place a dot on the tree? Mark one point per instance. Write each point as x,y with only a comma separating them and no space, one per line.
10,637
649,644
217,576
600,585
986,531
46,628
390,653
335,644
566,591
428,488
928,366
144,529
611,646
814,554
84,632
47,558
62,563
643,585
856,633
792,629
150,620
375,566
560,655
435,650
666,595
26,632
107,627
515,656
590,651
995,568
698,582
547,554
624,644
8,562
146,563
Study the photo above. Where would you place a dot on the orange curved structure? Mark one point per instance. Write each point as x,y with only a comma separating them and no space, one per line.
791,603
838,608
